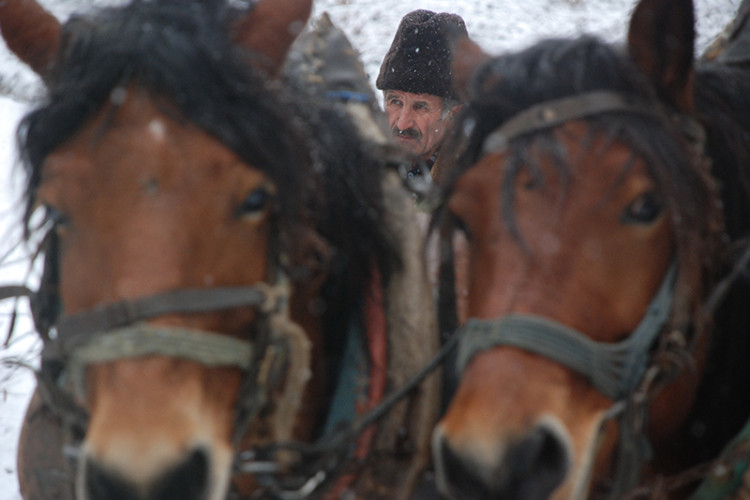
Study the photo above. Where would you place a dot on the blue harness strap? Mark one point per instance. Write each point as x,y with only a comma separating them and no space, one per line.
351,384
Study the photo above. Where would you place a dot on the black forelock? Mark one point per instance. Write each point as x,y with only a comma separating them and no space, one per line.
181,53
551,69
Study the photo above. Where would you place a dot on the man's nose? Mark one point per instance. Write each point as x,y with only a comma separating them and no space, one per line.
405,119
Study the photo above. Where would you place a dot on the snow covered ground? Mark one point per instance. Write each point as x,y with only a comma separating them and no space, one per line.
497,25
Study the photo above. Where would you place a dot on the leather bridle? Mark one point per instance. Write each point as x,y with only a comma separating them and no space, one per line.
118,331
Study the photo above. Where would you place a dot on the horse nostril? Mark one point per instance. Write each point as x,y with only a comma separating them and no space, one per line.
530,469
102,484
538,464
458,477
187,480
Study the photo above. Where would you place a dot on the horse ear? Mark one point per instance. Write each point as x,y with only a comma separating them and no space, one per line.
268,30
467,56
661,43
30,32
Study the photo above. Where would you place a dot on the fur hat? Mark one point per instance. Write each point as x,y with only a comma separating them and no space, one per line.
419,60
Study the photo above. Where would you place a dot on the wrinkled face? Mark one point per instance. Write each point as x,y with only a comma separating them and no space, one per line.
417,121
145,205
597,246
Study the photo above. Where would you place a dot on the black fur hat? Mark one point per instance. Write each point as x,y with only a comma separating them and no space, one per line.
419,60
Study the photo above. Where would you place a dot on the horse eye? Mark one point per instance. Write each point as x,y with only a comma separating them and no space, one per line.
255,202
55,217
462,227
643,210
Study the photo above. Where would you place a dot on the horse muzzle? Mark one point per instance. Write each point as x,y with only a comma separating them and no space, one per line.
531,467
187,480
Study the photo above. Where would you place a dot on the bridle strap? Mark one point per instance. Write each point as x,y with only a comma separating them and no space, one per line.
118,331
81,328
615,369
13,291
556,112
142,339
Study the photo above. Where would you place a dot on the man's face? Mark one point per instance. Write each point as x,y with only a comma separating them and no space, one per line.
416,121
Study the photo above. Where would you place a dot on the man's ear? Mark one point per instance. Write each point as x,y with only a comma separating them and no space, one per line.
455,110
450,115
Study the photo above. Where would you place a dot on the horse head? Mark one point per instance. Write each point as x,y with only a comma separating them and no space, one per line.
185,267
594,229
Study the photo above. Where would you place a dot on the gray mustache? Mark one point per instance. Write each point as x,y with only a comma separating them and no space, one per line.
409,132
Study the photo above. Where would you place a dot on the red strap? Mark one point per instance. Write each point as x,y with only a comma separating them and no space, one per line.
377,342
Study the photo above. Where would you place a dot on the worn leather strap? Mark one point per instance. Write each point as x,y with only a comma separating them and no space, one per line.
142,339
615,369
556,112
11,291
79,329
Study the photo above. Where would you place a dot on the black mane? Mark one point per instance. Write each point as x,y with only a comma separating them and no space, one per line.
181,53
708,207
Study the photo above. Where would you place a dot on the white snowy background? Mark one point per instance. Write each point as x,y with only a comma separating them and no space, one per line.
497,25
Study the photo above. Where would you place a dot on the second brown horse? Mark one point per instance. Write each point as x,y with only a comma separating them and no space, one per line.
603,195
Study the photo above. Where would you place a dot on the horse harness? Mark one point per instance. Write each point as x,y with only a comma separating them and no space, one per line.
628,372
118,330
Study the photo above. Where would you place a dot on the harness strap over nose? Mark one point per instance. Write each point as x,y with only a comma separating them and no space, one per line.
207,348
556,112
79,329
615,369
113,331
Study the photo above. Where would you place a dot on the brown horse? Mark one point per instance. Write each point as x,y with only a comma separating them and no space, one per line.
220,265
603,196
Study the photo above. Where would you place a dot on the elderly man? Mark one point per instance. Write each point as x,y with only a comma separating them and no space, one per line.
415,78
